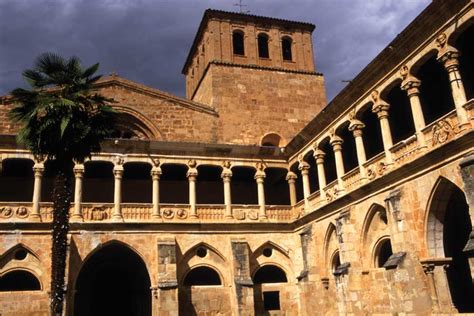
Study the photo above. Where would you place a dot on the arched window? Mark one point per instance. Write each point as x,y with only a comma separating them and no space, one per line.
272,140
262,40
19,280
335,262
202,276
286,48
269,274
238,43
383,251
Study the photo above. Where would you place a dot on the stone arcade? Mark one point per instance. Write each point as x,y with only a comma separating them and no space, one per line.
251,196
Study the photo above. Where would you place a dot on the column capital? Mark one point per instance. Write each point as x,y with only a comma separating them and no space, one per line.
411,85
118,171
336,142
303,165
447,55
259,175
380,107
192,173
155,173
38,169
226,174
319,155
291,176
78,170
356,125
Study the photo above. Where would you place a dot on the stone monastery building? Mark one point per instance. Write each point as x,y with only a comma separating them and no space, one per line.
252,196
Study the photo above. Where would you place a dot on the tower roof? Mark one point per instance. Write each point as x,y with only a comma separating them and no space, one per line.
242,17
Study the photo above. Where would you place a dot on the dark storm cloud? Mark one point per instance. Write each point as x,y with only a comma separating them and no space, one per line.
147,40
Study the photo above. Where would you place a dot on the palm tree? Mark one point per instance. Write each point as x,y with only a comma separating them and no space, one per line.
63,120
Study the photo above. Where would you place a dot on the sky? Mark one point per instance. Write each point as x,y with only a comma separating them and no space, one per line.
147,41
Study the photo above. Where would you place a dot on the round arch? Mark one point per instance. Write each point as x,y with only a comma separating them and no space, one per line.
133,124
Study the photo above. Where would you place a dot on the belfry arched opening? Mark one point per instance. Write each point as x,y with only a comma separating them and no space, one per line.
113,281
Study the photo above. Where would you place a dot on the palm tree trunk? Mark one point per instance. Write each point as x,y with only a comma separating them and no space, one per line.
61,204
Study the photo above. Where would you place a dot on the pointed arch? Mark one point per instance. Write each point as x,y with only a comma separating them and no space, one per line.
192,251
374,228
329,253
13,249
435,215
272,245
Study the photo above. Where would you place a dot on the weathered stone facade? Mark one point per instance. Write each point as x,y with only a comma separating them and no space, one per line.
367,210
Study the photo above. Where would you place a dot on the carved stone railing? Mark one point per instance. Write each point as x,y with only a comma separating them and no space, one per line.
210,212
280,213
314,200
15,211
376,166
352,179
406,150
93,212
442,130
136,211
178,212
332,191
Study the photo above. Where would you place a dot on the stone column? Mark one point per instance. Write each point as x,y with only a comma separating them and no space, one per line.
381,107
155,177
260,178
304,169
291,178
192,177
435,270
336,143
412,85
226,176
38,169
449,57
78,175
467,175
356,127
319,156
118,173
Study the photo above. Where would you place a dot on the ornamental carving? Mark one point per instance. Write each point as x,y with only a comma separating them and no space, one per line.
181,214
19,212
377,169
252,214
168,214
22,212
119,160
239,214
6,212
242,214
441,132
98,213
332,193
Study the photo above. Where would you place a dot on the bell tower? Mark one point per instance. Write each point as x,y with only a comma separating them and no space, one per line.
258,72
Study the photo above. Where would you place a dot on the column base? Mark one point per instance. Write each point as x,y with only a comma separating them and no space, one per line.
229,217
117,218
193,216
35,217
76,218
155,216
262,216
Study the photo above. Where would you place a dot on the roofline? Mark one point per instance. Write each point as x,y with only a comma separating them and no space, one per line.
211,13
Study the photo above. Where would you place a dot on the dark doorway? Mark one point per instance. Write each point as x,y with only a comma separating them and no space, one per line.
457,227
113,281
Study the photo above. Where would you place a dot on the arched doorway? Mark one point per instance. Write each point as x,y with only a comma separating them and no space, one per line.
113,281
449,226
